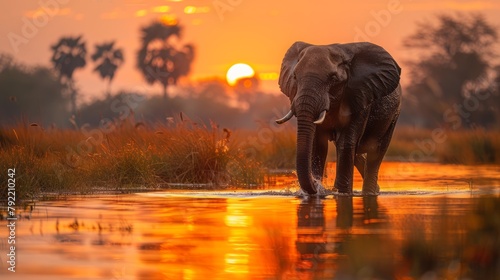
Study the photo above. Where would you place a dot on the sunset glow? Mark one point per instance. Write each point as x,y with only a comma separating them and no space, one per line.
196,10
161,9
238,72
141,13
231,139
169,19
222,34
271,76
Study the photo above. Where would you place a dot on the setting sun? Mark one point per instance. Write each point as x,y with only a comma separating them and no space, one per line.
239,71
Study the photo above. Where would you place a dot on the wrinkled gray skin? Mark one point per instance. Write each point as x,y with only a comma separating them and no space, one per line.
346,93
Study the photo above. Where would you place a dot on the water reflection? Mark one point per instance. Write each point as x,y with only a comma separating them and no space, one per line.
329,249
345,212
237,257
311,236
169,235
361,242
365,214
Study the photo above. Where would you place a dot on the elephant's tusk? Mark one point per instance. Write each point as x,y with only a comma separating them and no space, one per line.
321,118
286,118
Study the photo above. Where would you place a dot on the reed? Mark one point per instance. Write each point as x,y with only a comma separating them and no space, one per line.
471,147
130,156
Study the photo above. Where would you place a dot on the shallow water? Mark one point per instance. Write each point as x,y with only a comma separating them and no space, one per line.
430,221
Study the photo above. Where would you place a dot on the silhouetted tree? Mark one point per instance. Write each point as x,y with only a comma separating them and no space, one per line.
108,59
493,105
159,59
454,62
6,61
68,55
204,102
31,94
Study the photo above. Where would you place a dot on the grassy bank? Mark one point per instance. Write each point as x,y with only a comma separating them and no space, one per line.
445,146
128,156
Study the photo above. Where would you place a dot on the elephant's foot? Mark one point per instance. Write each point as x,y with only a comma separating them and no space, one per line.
371,190
341,194
370,193
344,191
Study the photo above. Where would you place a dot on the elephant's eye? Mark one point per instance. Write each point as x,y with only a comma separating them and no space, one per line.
333,76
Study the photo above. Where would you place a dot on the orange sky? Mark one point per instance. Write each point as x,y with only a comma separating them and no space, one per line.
256,32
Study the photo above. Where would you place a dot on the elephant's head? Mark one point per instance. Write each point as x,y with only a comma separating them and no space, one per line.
317,78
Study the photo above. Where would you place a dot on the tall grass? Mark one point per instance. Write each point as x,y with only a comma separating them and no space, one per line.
403,141
182,153
273,149
131,157
471,147
459,147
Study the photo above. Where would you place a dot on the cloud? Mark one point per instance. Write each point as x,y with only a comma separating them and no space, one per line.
160,9
79,16
115,14
196,10
42,11
118,13
141,13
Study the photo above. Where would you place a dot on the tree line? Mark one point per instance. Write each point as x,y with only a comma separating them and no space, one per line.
158,59
454,80
455,77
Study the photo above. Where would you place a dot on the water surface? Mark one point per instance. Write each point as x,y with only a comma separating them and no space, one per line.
430,221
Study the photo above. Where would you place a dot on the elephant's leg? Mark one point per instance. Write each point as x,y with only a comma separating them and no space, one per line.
373,162
320,151
346,151
345,168
360,163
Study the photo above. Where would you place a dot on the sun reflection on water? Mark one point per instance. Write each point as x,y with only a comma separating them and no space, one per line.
237,258
190,236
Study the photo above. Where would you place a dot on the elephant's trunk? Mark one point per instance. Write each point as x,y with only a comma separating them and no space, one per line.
305,138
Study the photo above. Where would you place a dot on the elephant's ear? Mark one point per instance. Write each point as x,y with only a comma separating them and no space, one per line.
286,80
373,73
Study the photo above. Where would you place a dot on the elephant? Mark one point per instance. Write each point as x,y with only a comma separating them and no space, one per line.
346,93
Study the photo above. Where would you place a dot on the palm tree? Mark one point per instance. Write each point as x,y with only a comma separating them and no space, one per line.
182,62
68,55
108,60
159,60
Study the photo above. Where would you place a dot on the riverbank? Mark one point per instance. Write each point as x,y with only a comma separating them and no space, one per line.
129,156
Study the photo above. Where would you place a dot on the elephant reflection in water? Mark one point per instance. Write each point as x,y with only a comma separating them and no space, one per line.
345,212
365,251
311,236
318,249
